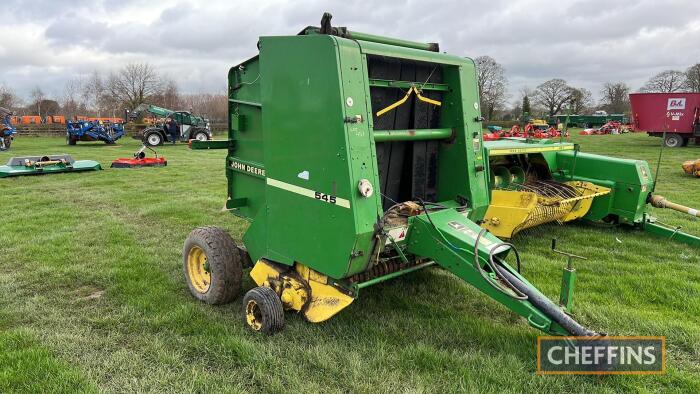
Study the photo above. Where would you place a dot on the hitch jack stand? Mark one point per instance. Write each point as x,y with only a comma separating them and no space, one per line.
568,279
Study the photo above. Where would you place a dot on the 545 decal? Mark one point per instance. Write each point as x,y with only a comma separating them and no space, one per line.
325,197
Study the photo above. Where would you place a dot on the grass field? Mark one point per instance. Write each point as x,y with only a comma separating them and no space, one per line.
92,296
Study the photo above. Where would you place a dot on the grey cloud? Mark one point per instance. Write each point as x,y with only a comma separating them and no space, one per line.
585,42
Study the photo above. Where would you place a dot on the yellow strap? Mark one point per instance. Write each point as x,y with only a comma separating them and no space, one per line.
396,104
412,89
425,99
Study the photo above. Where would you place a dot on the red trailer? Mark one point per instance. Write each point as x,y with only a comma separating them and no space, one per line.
677,114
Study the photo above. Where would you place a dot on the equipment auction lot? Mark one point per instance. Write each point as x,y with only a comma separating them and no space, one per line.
93,296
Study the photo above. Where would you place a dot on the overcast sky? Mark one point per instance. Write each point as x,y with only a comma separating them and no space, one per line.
587,43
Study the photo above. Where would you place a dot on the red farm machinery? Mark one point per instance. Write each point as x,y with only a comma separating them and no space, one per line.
673,116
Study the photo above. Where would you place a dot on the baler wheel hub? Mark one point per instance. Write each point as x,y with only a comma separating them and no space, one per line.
253,316
198,268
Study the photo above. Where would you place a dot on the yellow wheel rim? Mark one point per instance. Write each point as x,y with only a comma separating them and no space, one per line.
198,269
253,316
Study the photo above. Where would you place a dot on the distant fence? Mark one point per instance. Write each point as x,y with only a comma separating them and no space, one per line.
60,130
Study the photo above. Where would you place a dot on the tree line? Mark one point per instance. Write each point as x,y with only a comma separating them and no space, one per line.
556,96
137,83
110,95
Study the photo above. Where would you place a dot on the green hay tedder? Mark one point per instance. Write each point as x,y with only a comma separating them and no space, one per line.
358,158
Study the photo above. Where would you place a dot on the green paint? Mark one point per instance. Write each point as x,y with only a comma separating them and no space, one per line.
566,296
301,137
452,230
671,233
15,168
631,182
412,135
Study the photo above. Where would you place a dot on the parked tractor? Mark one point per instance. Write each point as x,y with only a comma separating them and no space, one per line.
7,130
373,167
191,127
83,130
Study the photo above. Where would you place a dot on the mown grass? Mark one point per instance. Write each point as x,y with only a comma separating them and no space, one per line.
93,298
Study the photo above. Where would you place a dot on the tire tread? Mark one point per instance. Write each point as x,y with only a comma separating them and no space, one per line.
270,307
224,262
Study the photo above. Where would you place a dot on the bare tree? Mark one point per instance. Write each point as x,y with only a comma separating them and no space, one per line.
581,100
37,95
615,97
93,89
169,97
72,99
492,84
212,106
49,107
8,98
135,84
552,95
668,81
692,75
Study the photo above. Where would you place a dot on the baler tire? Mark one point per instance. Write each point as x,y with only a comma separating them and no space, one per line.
263,311
225,265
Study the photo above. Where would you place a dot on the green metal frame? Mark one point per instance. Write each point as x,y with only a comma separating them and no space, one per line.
302,138
7,171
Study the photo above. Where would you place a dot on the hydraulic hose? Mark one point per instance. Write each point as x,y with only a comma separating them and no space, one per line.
522,291
547,307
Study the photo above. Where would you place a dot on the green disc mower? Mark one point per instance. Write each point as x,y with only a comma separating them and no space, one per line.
51,164
356,159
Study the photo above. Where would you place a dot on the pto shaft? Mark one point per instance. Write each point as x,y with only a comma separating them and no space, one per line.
661,202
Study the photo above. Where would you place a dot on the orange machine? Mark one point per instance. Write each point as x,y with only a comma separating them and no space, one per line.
31,119
103,120
56,119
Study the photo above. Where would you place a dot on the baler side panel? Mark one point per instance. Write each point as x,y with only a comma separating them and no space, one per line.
630,180
245,161
309,181
361,151
461,111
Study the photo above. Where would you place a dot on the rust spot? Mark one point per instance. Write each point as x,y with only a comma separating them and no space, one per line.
411,132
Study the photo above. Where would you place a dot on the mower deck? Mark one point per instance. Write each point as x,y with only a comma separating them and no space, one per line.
136,163
50,164
140,160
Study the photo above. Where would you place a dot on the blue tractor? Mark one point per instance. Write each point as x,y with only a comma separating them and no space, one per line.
7,131
84,130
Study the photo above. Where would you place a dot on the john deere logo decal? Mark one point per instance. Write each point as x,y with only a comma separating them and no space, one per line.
249,168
